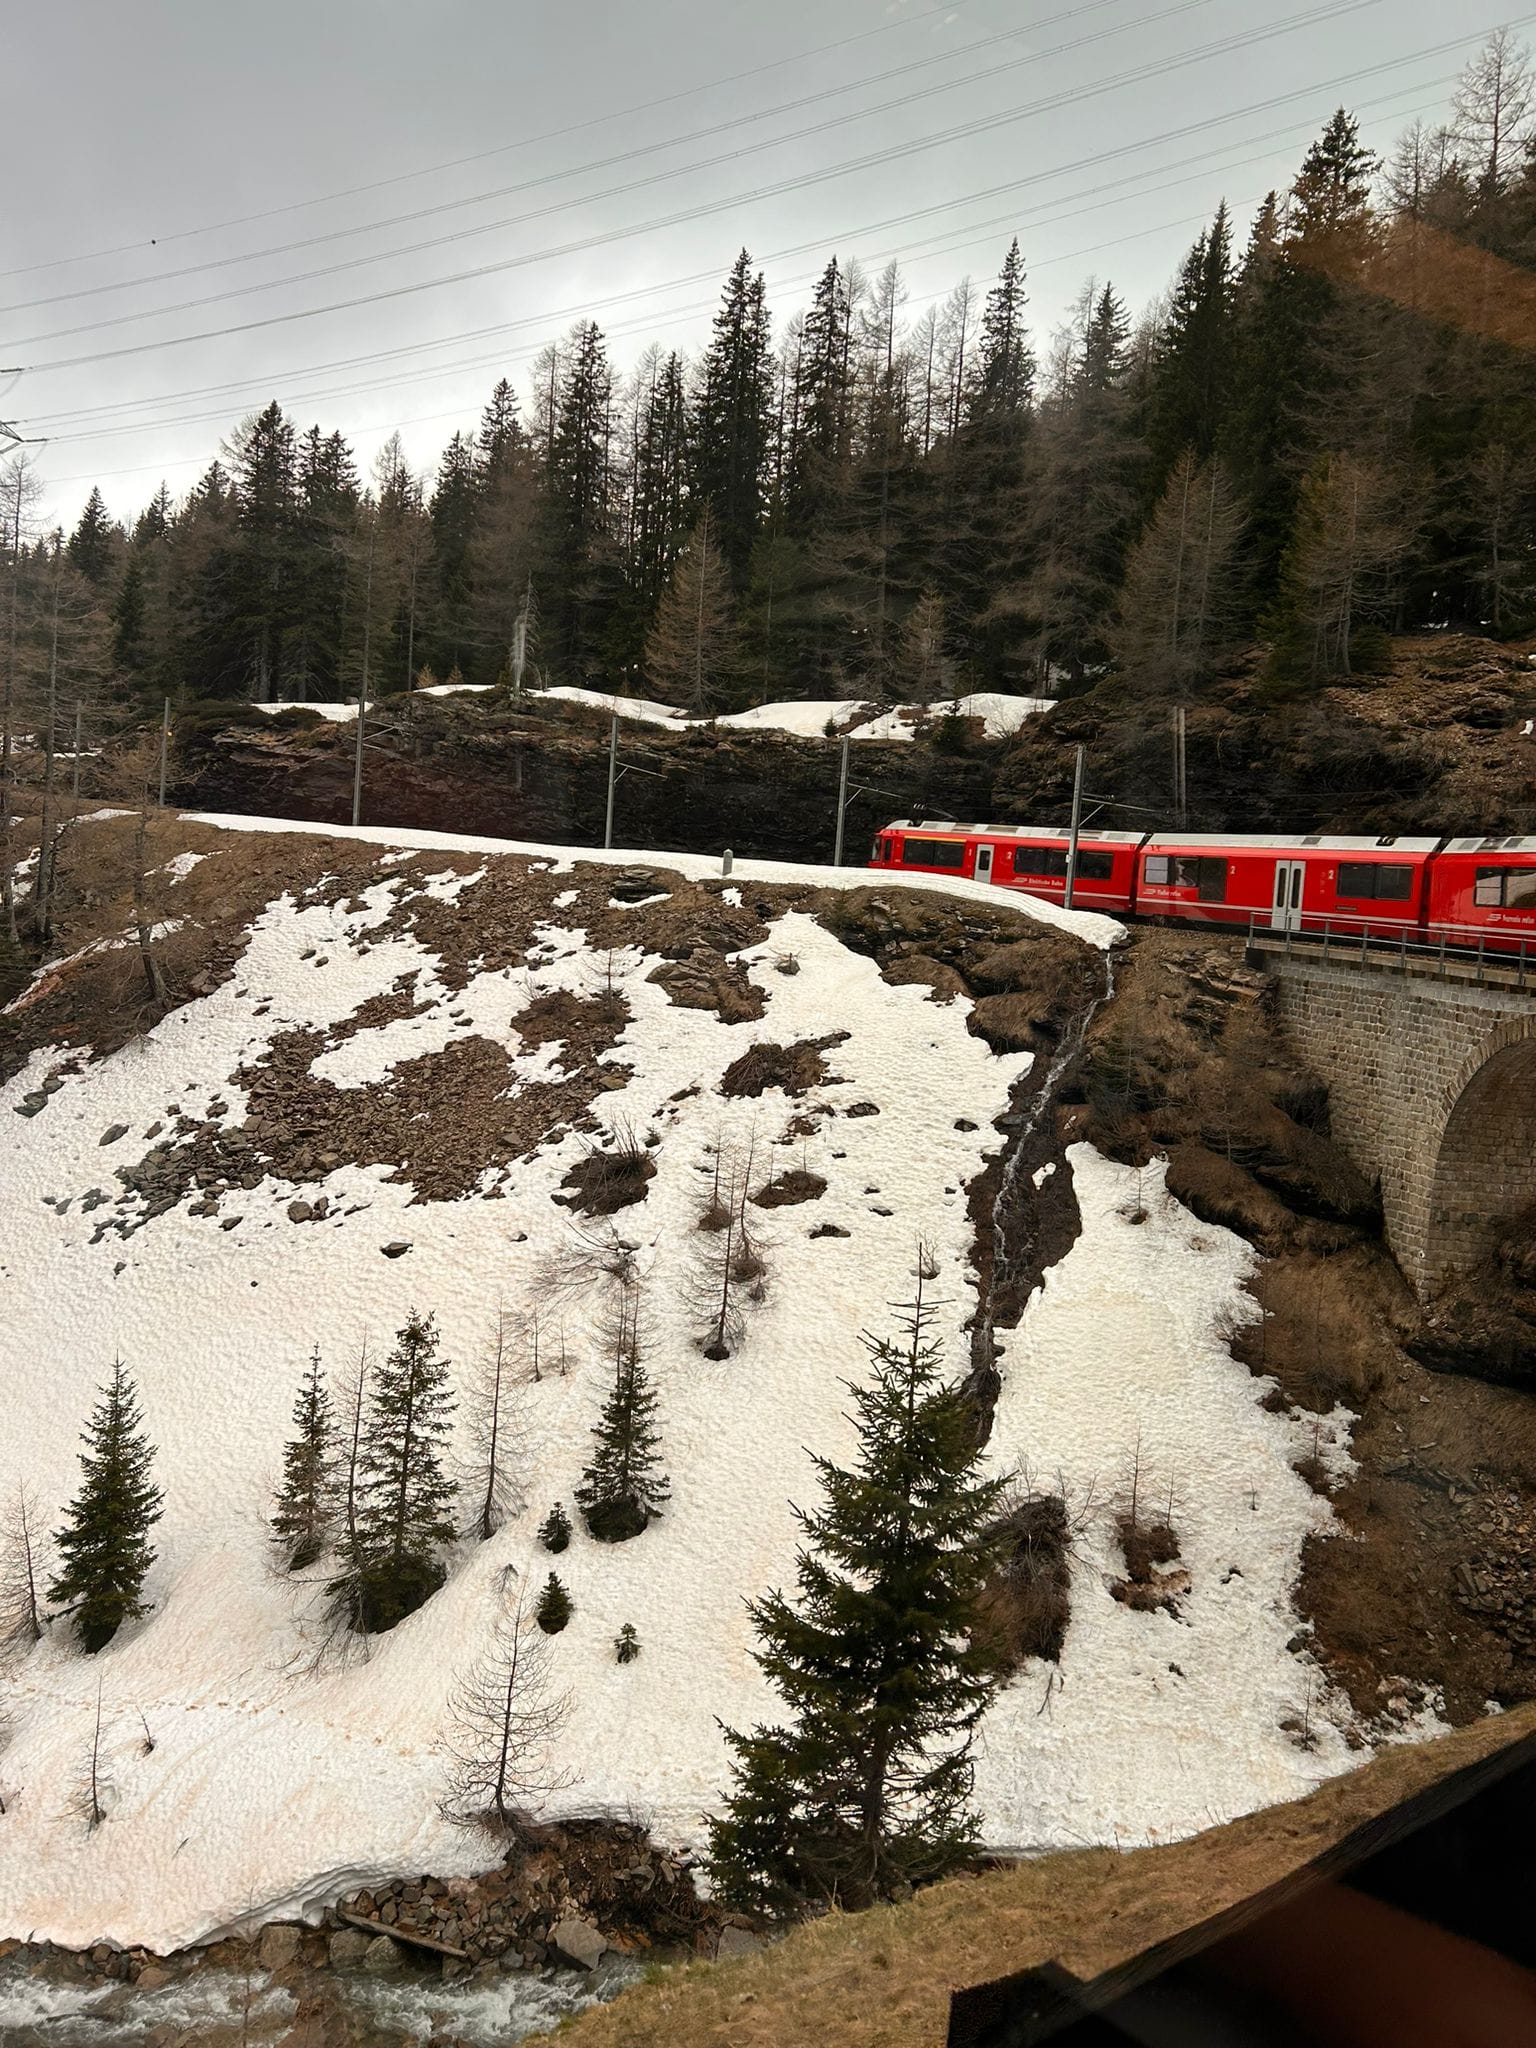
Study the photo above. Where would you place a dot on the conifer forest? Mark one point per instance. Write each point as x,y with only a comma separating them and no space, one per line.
1324,431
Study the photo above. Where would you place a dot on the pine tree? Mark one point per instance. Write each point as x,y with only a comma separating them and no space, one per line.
154,522
622,1487
579,539
690,653
866,1787
453,513
553,1609
501,430
403,1513
819,443
90,545
1005,376
105,1540
304,1513
626,1644
1191,386
128,621
658,484
733,425
555,1530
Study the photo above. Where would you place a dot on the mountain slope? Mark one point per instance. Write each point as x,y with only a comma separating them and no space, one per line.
397,1078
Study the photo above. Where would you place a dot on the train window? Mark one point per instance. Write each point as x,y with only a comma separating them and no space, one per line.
1508,888
1380,881
933,853
1209,878
1040,860
882,848
1092,865
1188,871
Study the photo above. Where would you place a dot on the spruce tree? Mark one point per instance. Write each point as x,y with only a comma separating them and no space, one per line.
865,1788
553,1609
304,1511
105,1539
622,1487
1006,377
90,545
555,1530
128,645
734,420
404,1509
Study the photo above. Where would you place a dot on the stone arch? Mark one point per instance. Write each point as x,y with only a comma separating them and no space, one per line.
1485,1164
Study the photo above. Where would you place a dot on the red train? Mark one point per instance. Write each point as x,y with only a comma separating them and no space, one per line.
1472,894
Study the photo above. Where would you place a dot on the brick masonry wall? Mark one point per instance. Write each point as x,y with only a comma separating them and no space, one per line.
1433,1093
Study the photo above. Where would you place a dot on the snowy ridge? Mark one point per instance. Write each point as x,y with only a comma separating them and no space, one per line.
808,718
272,1786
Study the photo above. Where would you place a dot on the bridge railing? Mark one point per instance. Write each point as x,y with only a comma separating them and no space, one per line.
1455,952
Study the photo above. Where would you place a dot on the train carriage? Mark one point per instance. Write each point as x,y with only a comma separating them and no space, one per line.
1349,885
1450,894
1017,857
1482,893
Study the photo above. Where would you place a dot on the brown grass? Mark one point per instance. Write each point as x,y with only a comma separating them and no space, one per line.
788,1189
882,1979
608,1180
1024,1608
794,1068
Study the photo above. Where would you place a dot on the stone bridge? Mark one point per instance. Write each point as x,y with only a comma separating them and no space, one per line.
1433,1090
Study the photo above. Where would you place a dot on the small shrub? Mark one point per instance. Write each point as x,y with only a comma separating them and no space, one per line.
626,1644
555,1530
554,1609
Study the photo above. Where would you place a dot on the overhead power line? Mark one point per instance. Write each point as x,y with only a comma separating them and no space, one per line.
481,156
732,126
736,154
707,208
965,236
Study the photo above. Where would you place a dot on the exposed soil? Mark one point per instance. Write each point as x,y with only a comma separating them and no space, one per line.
785,1190
796,1069
1154,1580
607,1181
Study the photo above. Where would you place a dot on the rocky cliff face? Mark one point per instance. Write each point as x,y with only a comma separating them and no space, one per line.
457,768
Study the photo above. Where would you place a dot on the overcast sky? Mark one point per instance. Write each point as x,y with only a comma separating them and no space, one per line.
228,143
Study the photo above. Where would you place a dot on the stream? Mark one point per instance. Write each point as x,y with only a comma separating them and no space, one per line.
45,2003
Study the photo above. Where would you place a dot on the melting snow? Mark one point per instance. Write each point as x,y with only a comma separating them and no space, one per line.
271,1788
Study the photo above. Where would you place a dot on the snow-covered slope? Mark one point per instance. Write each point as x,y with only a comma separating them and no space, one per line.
807,717
272,1785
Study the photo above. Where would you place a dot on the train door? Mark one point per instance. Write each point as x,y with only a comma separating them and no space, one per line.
1285,915
984,863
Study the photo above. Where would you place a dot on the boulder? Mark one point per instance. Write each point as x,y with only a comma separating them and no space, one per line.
382,1958
347,1948
736,1941
279,1945
579,1942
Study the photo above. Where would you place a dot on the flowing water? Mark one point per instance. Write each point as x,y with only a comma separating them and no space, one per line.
1007,1276
44,2004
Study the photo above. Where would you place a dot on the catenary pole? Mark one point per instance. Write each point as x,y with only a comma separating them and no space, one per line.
1077,821
842,804
613,776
